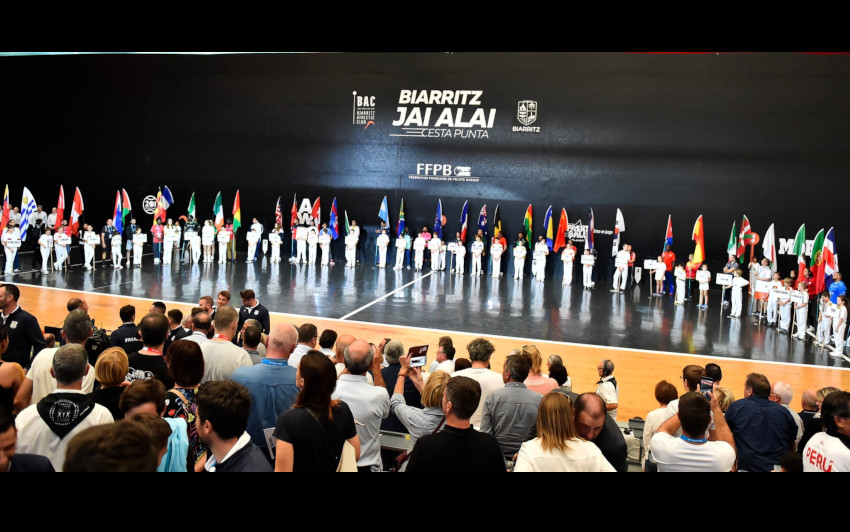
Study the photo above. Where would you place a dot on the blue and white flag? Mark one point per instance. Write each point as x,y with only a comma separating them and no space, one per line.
28,207
384,213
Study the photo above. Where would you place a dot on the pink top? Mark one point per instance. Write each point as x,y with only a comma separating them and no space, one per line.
541,384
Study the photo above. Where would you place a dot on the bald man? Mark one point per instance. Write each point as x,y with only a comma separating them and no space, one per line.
338,359
271,383
369,404
594,425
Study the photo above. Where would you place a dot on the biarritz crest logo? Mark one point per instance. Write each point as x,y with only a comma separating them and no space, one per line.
526,114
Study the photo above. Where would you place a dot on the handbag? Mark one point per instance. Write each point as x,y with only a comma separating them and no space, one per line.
405,456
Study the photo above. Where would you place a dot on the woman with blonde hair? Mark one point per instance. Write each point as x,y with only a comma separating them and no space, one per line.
110,371
724,397
535,381
557,447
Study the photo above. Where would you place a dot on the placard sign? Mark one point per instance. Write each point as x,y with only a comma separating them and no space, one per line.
723,279
63,240
140,239
780,294
223,236
703,277
621,263
13,243
649,264
274,238
796,298
588,260
763,286
831,311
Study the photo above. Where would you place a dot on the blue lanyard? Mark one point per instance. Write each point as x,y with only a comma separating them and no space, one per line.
273,362
692,440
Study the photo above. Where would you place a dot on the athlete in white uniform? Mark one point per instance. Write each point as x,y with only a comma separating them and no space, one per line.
773,300
223,238
208,235
383,242
355,231
138,242
325,244
419,245
400,245
496,250
350,250
839,327
621,275
459,254
115,243
801,311
785,307
738,284
587,270
61,250
312,244
520,252
540,252
568,256
195,245
301,244
9,235
257,227
89,238
824,321
253,237
275,241
443,248
477,250
45,244
434,247
170,236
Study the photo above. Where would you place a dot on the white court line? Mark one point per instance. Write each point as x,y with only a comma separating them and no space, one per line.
386,295
472,333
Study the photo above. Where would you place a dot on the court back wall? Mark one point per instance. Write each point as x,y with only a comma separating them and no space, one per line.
762,134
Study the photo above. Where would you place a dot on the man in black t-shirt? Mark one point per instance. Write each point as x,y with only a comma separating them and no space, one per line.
593,424
25,336
148,362
458,447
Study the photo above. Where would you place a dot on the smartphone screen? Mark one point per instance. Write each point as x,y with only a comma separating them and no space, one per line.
418,356
706,385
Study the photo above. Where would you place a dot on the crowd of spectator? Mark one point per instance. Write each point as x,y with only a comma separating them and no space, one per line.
221,390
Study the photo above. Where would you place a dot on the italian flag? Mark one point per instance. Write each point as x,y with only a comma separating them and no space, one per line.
191,210
800,250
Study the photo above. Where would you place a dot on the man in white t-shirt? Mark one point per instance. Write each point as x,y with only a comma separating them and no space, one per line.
829,451
39,382
480,351
308,337
607,387
692,451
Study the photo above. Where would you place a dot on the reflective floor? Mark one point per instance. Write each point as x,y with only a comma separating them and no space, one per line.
440,300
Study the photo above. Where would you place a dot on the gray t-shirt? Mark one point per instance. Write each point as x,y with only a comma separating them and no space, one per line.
221,358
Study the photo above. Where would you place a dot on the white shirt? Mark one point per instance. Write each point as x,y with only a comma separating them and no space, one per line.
496,249
369,405
297,354
45,240
39,215
541,247
653,422
51,220
341,367
221,358
383,241
490,381
580,456
43,384
799,423
116,241
257,228
622,255
568,255
447,365
477,248
674,454
520,252
824,453
434,244
419,244
35,437
197,337
609,393
354,231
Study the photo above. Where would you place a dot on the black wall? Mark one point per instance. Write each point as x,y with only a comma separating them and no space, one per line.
763,134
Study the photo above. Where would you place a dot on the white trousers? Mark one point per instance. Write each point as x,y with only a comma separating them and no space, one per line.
568,272
680,290
497,267
326,254
620,277
419,259
399,258
275,253
88,254
311,253
541,269
300,251
588,276
837,334
61,255
222,252
519,267
137,254
45,258
196,254
10,259
772,311
785,316
382,257
476,265
802,319
116,256
168,251
252,251
350,256
737,301
459,259
824,329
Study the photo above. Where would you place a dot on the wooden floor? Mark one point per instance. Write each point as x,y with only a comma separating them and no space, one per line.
637,372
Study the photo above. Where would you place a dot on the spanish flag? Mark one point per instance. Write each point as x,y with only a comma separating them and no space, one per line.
699,237
526,223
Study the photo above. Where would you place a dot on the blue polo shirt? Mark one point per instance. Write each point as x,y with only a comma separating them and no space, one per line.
837,288
271,384
764,431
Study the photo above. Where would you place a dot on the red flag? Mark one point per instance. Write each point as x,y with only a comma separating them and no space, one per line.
60,209
744,238
561,240
278,215
293,221
76,212
4,219
317,210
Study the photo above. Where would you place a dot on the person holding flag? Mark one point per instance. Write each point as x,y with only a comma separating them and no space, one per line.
333,225
669,258
234,227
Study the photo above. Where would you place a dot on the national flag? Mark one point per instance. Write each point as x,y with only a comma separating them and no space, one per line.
769,247
317,211
28,207
497,221
293,220
126,208
218,212
668,236
547,227
438,220
191,210
399,230
732,246
158,213
830,257
237,213
60,209
4,219
619,227
334,221
347,227
563,224
76,212
116,213
588,243
384,212
482,221
816,266
800,250
464,218
527,224
698,237
164,199
278,214
745,237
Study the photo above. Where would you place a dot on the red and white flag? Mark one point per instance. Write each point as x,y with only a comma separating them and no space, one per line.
76,212
60,209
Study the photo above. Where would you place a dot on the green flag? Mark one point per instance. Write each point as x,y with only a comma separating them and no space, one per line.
218,213
732,246
191,210
347,228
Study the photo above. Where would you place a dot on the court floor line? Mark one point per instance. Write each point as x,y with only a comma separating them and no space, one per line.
473,333
383,297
